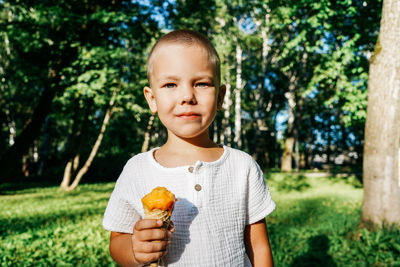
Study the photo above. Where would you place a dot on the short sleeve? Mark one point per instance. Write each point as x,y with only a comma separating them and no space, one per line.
260,203
120,214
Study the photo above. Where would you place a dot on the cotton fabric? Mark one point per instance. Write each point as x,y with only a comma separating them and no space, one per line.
216,200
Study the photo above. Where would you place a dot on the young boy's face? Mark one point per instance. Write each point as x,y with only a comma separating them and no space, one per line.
184,90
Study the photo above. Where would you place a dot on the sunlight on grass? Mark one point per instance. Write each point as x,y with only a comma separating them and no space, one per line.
46,227
315,224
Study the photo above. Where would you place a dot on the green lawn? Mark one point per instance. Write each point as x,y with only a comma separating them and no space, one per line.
315,224
45,227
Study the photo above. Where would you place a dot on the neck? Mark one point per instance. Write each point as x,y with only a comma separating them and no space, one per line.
179,151
197,143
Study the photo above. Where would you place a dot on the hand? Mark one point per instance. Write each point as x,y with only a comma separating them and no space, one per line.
149,241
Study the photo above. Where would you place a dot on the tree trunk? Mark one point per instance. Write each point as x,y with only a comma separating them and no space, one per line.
146,142
262,129
12,157
226,125
286,164
297,122
12,128
75,143
215,132
67,176
382,131
296,152
45,146
96,145
70,171
238,101
4,61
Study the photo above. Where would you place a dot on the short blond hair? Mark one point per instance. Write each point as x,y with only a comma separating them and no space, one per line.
187,37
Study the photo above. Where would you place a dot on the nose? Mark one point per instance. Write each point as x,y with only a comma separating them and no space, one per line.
188,95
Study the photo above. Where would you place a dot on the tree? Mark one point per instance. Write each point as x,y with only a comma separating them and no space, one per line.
35,66
105,73
296,60
63,61
65,184
238,99
224,48
382,131
304,60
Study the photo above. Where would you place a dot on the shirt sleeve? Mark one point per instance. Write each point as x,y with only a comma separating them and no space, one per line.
260,203
120,214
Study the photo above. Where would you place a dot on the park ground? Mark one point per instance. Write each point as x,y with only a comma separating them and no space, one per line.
316,223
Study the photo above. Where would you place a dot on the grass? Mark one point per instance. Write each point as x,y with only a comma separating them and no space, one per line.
315,224
45,227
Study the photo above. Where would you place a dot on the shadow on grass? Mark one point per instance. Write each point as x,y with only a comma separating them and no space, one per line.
317,254
293,183
33,187
14,188
354,180
305,212
303,231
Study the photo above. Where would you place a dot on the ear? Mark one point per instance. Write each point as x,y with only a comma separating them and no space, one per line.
220,97
150,98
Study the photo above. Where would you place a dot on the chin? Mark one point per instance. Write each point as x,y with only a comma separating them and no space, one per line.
190,134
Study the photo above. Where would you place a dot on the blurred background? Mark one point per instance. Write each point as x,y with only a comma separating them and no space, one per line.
72,112
296,73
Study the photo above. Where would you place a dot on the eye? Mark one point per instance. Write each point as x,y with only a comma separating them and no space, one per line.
203,84
169,85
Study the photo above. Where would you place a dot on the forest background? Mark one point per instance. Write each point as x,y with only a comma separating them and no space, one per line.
297,76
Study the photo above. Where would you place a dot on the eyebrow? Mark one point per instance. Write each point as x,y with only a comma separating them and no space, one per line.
166,78
205,76
176,78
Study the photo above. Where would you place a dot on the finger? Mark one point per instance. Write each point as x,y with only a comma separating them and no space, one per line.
153,234
148,257
153,247
147,224
171,227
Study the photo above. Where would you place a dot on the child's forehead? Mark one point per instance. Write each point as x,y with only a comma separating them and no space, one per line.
173,55
172,46
178,57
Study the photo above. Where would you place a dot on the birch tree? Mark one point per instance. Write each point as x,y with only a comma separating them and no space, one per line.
223,29
226,132
146,141
238,100
263,108
65,184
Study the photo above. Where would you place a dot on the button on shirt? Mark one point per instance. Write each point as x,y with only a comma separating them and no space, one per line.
197,187
208,193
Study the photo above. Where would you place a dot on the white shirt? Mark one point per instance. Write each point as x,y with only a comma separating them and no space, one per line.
216,200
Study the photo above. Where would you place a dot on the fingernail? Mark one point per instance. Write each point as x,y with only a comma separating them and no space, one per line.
169,234
159,222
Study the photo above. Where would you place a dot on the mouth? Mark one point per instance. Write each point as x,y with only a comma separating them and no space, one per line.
189,115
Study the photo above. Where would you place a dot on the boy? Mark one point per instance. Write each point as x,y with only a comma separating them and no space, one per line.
222,195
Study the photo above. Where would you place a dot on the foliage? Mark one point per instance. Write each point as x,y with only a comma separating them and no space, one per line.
314,227
319,49
95,48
